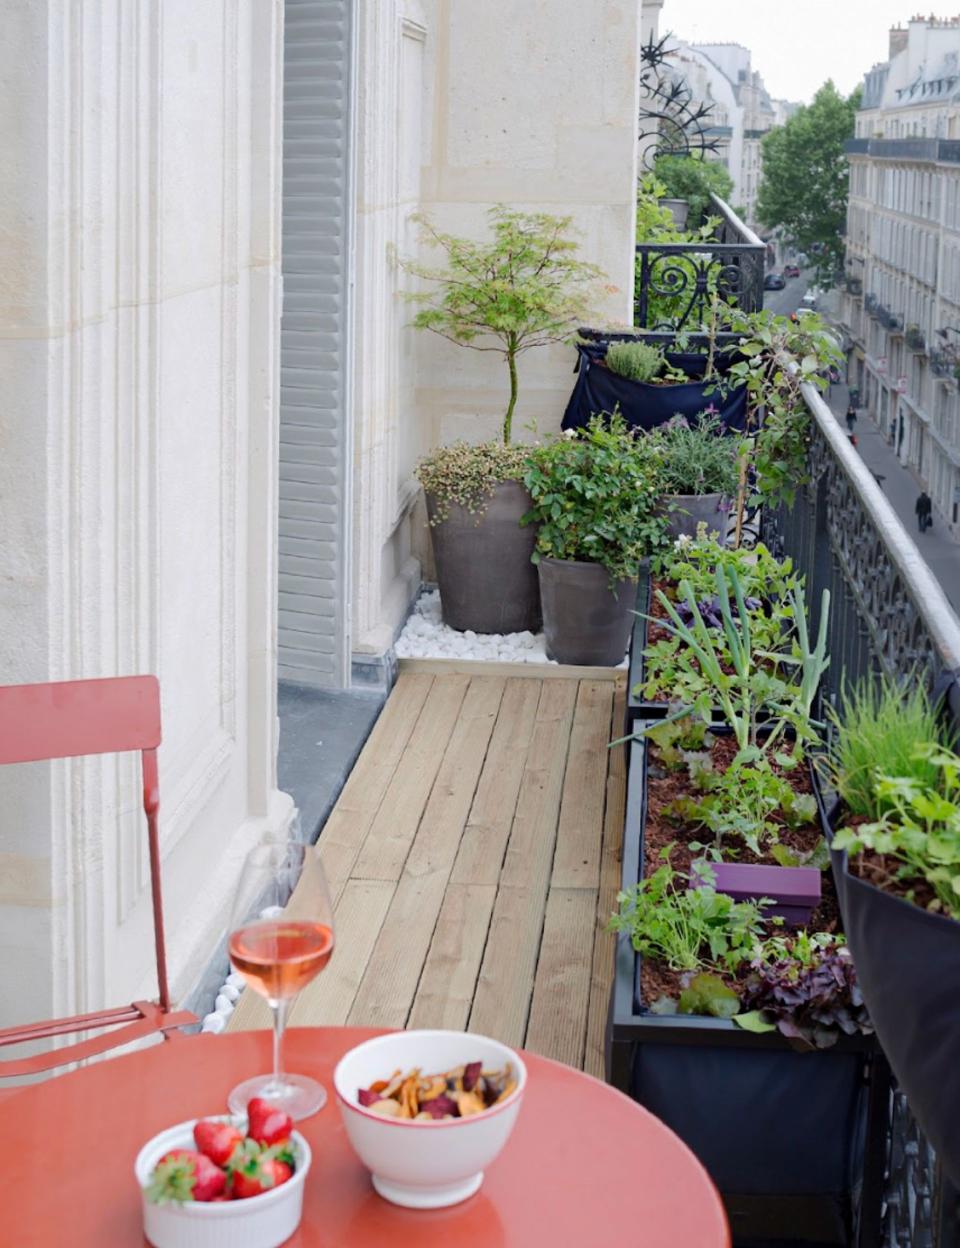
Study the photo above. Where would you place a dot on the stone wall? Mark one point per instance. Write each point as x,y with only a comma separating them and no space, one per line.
139,312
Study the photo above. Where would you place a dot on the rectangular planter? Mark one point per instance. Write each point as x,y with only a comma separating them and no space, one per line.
788,1137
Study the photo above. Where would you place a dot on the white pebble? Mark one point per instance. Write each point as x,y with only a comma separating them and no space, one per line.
236,980
223,1005
229,991
271,912
214,1023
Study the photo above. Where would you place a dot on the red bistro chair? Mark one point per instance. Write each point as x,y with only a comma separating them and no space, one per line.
65,720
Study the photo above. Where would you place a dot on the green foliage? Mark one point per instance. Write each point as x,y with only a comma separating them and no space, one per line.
805,178
635,360
697,457
468,475
655,224
522,288
919,829
878,726
778,358
761,575
693,179
689,929
594,496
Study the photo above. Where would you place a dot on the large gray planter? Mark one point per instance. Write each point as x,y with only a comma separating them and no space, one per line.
584,620
487,582
686,511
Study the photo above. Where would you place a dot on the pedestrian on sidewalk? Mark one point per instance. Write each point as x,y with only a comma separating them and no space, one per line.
851,417
923,509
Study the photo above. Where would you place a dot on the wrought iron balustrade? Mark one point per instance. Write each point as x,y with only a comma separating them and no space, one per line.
854,285
676,282
915,339
871,303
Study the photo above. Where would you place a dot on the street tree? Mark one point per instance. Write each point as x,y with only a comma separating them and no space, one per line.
806,178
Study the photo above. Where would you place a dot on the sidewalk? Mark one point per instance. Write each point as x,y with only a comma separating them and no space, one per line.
900,487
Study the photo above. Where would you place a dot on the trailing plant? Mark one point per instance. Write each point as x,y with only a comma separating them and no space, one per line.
635,360
689,928
522,288
468,475
806,988
877,728
918,832
775,358
697,457
594,493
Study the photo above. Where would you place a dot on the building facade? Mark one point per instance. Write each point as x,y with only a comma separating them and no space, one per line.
207,467
901,305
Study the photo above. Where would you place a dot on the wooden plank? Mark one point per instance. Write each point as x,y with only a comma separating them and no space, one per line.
484,840
561,991
576,863
601,978
519,671
327,1000
395,823
449,977
502,1000
390,984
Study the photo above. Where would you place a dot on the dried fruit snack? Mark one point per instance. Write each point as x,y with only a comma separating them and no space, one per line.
458,1093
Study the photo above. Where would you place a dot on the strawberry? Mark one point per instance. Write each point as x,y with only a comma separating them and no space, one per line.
266,1123
217,1140
254,1171
183,1174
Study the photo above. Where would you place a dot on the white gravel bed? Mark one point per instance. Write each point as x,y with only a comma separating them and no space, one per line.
425,636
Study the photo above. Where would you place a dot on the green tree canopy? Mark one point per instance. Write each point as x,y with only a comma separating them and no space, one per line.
806,177
692,178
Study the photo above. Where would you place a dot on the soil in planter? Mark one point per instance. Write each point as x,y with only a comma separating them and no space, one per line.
665,786
659,632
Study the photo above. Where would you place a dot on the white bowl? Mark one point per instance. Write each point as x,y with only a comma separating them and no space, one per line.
264,1221
425,1165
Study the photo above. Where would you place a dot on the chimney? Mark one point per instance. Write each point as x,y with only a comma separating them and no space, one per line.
898,40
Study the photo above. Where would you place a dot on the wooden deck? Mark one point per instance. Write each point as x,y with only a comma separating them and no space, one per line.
474,859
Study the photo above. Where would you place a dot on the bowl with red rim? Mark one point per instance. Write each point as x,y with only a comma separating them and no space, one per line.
434,1163
263,1221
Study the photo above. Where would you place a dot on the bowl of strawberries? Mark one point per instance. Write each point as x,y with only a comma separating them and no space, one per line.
224,1181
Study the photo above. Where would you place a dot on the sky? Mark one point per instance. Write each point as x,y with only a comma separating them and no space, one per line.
797,46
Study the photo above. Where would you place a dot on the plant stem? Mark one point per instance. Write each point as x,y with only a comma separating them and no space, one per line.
512,365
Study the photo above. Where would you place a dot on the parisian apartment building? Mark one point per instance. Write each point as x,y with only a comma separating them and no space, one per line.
742,112
901,305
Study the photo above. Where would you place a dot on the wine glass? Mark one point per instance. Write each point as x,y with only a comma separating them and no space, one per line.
281,937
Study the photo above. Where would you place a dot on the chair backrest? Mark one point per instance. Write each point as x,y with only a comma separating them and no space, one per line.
73,717
69,718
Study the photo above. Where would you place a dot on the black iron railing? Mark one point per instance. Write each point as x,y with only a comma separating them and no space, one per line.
915,339
676,282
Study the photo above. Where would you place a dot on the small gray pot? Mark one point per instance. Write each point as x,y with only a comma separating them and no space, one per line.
487,582
585,622
686,511
679,210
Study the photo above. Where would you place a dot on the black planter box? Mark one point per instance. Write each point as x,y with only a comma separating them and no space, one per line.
794,1141
908,964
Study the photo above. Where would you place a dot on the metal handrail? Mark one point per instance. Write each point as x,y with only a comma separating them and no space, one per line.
924,589
730,218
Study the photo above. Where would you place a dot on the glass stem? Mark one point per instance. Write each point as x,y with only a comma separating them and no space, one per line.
279,1023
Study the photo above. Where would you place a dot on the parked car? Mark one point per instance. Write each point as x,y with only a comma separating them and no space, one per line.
774,281
809,299
791,270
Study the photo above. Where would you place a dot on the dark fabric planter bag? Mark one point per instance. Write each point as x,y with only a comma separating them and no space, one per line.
599,389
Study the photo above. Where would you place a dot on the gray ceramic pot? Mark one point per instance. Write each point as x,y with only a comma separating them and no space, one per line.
487,582
585,622
686,511
679,210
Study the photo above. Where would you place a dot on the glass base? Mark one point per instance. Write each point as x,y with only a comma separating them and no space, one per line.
296,1094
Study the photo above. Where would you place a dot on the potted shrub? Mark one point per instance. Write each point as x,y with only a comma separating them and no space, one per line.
520,289
697,468
715,1003
897,863
594,503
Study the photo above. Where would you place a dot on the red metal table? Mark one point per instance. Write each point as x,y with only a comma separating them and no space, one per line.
585,1166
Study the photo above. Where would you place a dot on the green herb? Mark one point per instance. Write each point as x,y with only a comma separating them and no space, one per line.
634,360
878,726
919,830
686,928
522,289
468,475
594,497
698,457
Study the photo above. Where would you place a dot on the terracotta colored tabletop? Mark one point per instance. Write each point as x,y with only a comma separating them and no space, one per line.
585,1166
